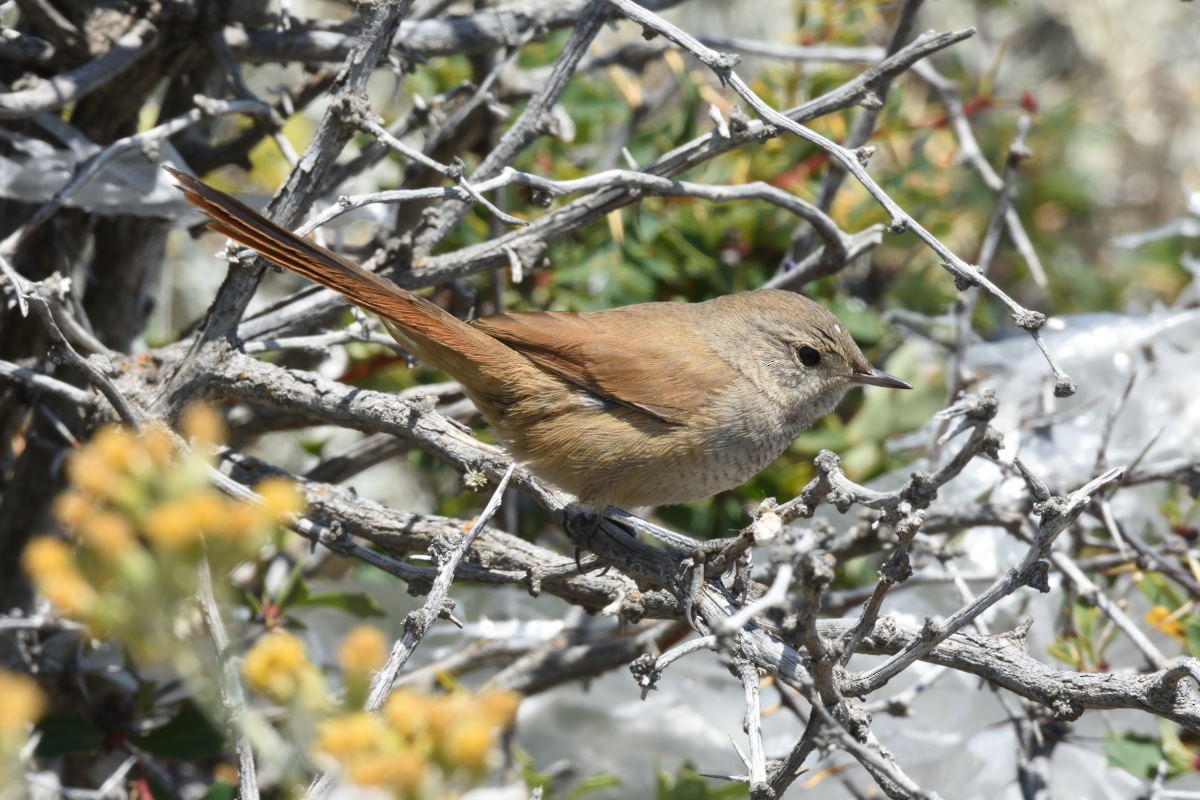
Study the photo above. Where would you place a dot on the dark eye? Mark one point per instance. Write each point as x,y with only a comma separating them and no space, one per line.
808,356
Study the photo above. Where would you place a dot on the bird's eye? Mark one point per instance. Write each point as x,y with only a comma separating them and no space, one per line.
808,356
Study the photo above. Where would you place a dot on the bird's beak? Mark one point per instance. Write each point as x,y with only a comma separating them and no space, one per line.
877,377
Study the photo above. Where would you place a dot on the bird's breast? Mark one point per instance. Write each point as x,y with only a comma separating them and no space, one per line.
608,454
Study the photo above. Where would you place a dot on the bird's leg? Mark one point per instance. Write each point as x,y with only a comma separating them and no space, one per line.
692,571
581,523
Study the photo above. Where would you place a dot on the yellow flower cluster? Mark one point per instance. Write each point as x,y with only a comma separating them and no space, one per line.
52,565
1166,621
277,665
363,651
140,513
423,745
22,706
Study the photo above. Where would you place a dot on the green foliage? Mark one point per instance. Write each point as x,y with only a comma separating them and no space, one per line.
220,791
547,781
1082,645
1136,754
67,733
358,604
687,784
1159,591
188,735
1142,755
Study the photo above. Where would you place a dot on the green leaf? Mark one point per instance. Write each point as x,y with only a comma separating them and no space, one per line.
591,784
314,447
687,784
189,735
359,604
1086,620
1063,652
67,733
730,790
294,589
1158,591
220,791
1137,755
1191,634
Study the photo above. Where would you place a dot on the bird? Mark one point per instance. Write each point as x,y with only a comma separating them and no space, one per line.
636,406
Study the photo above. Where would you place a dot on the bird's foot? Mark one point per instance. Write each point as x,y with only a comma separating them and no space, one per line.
581,524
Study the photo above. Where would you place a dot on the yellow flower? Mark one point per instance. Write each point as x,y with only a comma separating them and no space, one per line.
90,471
51,565
107,533
72,507
468,743
171,525
275,665
209,511
280,497
363,651
115,446
243,519
45,556
1160,617
353,735
24,703
202,425
404,710
499,707
442,711
68,592
400,771
158,445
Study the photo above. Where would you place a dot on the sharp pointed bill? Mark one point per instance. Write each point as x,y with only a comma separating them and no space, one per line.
877,377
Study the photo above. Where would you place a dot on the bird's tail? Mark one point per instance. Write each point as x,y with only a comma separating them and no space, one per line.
481,363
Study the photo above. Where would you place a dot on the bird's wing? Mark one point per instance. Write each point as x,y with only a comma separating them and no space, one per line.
638,356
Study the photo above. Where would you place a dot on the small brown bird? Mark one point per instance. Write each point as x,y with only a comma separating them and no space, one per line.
643,405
